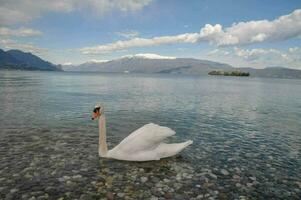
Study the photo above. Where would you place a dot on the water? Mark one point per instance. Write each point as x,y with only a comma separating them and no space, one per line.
246,133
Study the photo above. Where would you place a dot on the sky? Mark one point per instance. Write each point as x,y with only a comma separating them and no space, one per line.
243,33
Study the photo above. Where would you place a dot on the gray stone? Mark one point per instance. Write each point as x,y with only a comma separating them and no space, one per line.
144,179
121,195
77,176
14,190
224,172
110,195
213,176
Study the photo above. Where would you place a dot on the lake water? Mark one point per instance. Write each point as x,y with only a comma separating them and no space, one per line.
246,133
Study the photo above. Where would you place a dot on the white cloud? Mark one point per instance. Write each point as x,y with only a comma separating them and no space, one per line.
20,32
67,63
128,33
259,37
122,5
141,42
209,32
258,57
294,49
20,11
97,61
258,53
27,47
148,56
282,28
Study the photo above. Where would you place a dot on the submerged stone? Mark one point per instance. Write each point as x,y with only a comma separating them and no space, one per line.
224,172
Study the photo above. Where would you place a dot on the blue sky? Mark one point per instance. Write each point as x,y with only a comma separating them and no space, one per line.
239,32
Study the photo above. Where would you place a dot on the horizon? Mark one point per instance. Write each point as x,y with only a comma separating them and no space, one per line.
253,34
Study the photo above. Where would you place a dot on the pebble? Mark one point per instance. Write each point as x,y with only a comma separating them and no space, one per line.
166,180
238,185
249,184
170,179
213,176
77,176
69,183
168,195
66,177
159,185
230,159
236,177
242,197
144,179
27,175
121,195
110,195
299,184
14,190
224,172
237,170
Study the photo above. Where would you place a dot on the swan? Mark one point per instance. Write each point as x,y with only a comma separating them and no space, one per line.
144,144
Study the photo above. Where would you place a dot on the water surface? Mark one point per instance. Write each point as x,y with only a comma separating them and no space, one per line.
246,133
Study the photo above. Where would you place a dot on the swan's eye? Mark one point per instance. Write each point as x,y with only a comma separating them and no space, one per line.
96,109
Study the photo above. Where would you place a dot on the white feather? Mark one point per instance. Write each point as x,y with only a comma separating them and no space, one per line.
144,144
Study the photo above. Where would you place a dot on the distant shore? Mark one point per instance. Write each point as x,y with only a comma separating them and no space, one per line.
227,73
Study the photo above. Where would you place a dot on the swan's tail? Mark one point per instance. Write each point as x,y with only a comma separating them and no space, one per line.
166,150
188,142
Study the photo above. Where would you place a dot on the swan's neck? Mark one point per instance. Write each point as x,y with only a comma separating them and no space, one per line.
103,148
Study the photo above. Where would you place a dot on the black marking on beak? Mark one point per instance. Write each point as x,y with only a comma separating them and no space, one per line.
96,109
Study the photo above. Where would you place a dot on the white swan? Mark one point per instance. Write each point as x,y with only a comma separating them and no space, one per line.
144,144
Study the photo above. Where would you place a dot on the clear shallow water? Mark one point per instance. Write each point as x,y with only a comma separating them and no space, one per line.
246,132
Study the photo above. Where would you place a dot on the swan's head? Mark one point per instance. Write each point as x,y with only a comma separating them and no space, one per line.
97,112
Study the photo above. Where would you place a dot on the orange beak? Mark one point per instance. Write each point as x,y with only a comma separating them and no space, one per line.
95,115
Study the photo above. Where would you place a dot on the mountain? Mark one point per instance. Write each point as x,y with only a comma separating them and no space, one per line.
152,63
6,58
273,72
143,64
16,59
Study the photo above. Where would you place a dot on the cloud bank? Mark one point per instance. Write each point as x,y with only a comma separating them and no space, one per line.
128,33
20,32
283,28
258,57
148,56
27,47
140,42
20,11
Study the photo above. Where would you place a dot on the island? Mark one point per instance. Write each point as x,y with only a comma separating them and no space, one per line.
229,73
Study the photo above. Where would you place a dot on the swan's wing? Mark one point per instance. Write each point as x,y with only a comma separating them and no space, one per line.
146,138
